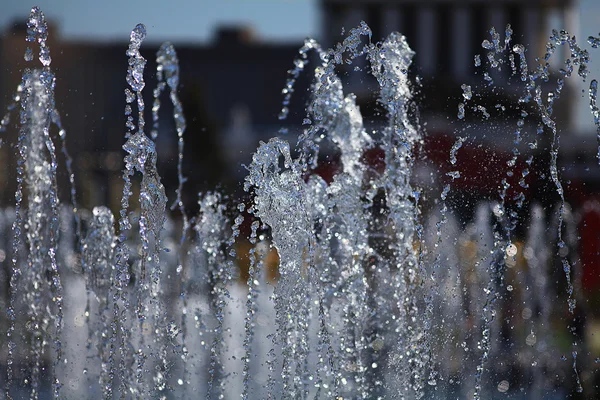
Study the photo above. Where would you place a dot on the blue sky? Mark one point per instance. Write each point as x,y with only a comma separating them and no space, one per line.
195,20
175,20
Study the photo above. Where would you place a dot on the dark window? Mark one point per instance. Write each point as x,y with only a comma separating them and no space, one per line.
443,22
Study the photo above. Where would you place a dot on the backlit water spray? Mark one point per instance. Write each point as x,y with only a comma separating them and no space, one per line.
376,295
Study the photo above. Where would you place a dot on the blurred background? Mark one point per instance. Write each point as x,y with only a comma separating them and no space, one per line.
234,57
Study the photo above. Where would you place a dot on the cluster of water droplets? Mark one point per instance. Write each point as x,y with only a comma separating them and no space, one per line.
369,287
326,236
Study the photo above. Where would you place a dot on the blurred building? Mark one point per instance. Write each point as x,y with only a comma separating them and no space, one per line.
446,34
230,90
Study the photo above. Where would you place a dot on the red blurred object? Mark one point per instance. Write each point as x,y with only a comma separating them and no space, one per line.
590,245
481,169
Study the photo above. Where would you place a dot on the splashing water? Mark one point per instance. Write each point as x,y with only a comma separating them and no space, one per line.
377,293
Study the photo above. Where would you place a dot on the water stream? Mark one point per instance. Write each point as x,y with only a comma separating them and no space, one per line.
381,290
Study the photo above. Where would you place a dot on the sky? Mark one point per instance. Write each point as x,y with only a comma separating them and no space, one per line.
589,24
195,21
174,20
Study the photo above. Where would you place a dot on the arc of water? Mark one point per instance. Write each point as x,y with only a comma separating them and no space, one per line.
309,140
299,65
